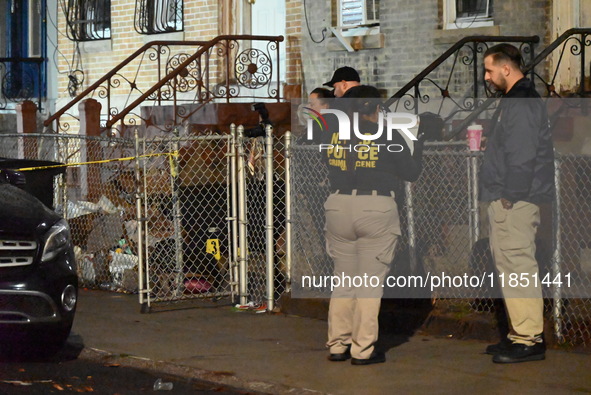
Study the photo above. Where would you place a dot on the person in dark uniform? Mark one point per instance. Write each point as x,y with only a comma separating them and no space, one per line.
362,224
314,188
516,176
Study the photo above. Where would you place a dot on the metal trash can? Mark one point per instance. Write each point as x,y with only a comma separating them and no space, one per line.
38,182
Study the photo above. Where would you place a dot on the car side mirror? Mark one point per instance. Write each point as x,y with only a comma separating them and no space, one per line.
13,177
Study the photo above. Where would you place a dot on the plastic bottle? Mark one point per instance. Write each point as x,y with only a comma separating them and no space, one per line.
160,385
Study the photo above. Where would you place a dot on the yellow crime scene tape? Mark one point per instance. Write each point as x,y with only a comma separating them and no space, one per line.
171,155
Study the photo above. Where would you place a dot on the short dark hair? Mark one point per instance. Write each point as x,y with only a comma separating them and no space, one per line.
505,52
366,99
323,93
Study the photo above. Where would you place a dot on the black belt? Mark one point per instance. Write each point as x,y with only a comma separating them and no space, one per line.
367,192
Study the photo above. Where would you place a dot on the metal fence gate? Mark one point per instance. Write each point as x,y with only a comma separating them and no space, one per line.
212,219
185,218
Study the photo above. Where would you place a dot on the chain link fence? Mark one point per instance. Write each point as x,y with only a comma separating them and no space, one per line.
97,199
310,188
445,233
190,219
159,216
572,259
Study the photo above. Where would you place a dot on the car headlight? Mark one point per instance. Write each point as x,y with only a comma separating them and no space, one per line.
56,240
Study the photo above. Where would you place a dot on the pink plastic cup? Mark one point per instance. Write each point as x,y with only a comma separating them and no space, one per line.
474,137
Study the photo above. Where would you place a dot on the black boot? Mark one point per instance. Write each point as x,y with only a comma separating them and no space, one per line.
501,346
521,353
375,357
340,357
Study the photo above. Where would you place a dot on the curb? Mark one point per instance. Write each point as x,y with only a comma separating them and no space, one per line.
225,378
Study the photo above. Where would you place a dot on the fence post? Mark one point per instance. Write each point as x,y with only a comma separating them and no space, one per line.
288,227
176,204
412,245
234,211
556,255
242,219
144,223
139,219
62,187
269,217
473,204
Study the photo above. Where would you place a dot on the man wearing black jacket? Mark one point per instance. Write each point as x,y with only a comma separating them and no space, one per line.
516,176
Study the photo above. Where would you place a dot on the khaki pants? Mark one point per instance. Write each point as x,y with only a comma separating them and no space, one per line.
361,235
512,243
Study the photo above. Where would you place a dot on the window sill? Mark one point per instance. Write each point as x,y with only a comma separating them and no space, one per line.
90,47
358,31
353,43
174,36
452,36
469,24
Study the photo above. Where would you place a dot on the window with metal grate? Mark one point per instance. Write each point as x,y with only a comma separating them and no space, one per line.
158,16
88,20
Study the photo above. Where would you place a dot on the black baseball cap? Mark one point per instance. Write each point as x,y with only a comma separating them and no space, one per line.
343,74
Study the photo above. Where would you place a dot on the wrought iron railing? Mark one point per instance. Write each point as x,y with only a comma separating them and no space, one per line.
133,71
166,73
250,69
578,40
454,82
21,79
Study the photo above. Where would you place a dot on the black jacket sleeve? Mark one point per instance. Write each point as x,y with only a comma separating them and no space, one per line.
521,128
404,165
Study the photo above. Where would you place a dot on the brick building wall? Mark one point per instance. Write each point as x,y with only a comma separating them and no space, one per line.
412,32
413,39
201,23
293,41
99,57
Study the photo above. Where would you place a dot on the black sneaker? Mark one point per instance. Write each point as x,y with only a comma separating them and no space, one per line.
501,346
375,357
340,357
521,353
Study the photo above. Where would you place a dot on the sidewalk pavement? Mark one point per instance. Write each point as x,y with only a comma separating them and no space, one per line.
276,353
